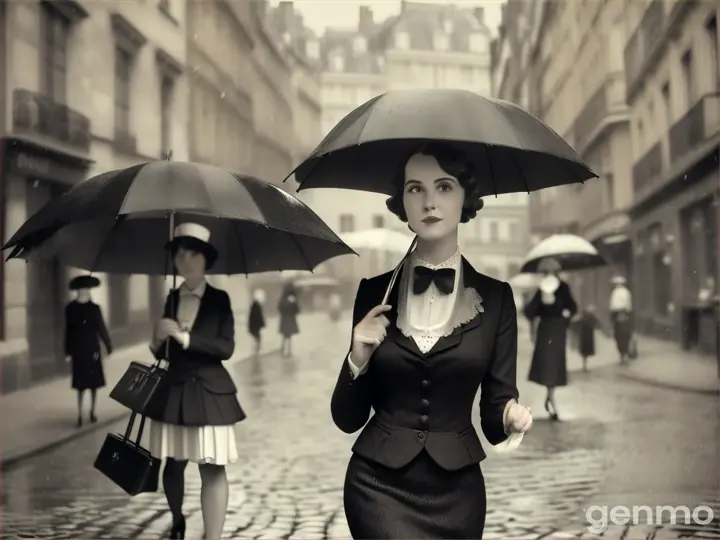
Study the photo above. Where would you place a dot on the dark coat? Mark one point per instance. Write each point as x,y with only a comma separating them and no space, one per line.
549,361
256,320
199,391
84,329
288,316
424,401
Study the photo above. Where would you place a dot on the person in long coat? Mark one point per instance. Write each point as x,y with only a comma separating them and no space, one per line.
256,319
554,306
84,330
418,363
587,325
621,317
193,415
288,309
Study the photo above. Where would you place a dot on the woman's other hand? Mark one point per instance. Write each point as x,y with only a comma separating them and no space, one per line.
518,419
165,328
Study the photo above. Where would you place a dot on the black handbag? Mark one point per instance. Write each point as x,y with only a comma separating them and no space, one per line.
128,464
138,385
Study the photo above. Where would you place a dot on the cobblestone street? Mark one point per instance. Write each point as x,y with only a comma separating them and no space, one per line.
621,443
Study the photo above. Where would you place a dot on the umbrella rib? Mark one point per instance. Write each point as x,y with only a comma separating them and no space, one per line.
297,244
103,246
233,226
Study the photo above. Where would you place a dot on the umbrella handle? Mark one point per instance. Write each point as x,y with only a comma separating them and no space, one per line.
395,273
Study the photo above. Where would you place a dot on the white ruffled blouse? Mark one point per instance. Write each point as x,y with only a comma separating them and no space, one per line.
432,315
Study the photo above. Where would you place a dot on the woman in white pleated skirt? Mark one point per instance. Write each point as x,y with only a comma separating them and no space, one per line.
193,414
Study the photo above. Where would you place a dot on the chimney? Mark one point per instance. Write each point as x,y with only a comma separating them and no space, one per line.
480,14
286,17
366,20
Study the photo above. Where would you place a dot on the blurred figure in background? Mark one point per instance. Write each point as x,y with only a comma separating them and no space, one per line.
621,316
587,324
288,309
256,319
334,306
84,329
554,306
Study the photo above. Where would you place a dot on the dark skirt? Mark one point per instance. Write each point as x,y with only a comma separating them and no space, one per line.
586,346
288,325
549,362
191,404
420,500
87,372
622,328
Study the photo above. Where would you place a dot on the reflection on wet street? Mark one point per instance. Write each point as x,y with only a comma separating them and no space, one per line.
620,443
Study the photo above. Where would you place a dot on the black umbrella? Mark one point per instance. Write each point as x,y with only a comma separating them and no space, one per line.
120,222
512,151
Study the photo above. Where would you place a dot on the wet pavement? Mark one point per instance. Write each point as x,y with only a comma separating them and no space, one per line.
620,443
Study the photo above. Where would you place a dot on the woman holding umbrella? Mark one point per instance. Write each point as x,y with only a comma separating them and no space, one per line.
84,330
554,306
419,362
193,417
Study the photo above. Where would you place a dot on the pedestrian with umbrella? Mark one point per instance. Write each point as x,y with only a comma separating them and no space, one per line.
428,334
554,307
217,222
84,330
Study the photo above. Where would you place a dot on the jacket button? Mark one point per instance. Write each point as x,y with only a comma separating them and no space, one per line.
425,404
421,435
426,384
424,419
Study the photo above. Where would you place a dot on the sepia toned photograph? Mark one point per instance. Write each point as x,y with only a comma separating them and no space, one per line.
359,269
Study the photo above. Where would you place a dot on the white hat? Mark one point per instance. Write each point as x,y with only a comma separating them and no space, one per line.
192,230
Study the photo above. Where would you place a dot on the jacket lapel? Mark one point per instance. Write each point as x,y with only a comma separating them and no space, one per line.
469,281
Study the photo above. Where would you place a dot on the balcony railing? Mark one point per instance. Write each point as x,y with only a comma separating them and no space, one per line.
698,125
37,114
609,99
647,169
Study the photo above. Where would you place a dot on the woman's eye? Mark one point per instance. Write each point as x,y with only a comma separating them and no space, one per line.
413,189
445,187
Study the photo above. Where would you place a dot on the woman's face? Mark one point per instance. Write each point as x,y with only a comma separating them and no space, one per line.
190,264
433,199
83,295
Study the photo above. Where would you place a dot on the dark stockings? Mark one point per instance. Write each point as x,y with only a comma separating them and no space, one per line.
174,486
93,401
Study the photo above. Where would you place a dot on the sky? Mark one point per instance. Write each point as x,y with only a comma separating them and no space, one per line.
321,14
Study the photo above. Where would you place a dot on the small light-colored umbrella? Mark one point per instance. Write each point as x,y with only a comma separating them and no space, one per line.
572,252
523,282
386,240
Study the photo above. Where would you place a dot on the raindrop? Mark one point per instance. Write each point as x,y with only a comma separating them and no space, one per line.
222,95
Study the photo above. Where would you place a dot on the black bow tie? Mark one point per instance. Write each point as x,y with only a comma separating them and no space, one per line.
443,278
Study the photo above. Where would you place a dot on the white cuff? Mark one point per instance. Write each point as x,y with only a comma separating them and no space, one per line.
354,370
185,341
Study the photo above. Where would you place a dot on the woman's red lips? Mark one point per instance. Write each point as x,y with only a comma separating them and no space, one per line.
431,219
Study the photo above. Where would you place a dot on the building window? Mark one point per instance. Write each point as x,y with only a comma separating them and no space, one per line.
166,95
402,40
689,78
441,41
347,223
711,29
478,43
514,231
494,232
337,62
667,104
123,79
54,50
378,221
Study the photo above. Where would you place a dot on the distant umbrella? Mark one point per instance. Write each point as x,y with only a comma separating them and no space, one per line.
84,282
570,251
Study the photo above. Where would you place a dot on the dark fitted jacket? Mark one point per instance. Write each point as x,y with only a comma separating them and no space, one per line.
425,401
198,371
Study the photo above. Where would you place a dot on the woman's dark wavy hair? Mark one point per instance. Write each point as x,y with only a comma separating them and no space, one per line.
454,162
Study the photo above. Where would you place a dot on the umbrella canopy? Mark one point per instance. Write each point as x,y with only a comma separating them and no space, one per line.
378,239
511,150
570,251
121,221
84,282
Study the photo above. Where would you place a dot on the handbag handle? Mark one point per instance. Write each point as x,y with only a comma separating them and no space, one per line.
130,425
